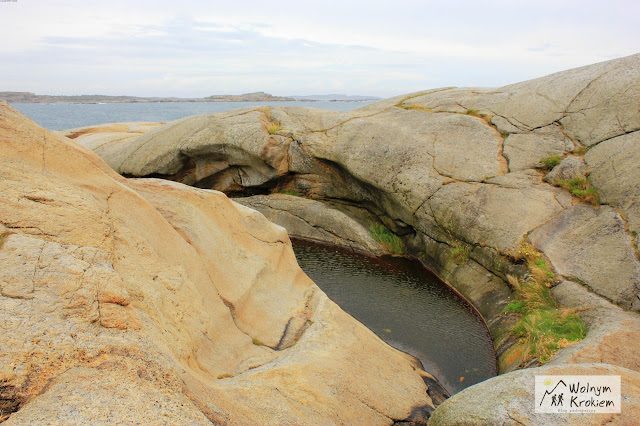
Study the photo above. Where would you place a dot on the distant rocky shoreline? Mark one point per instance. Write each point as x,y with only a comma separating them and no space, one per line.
28,97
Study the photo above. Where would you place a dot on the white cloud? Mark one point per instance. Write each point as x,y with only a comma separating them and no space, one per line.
198,48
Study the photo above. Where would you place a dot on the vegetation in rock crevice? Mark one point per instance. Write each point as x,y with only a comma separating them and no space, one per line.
387,239
550,162
460,254
542,328
273,125
581,188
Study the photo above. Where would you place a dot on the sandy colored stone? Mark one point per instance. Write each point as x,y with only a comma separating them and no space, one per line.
145,300
107,140
613,333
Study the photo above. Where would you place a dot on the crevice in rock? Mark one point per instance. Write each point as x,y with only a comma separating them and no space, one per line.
10,401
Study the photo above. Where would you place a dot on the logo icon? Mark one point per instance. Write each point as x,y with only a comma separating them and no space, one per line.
577,394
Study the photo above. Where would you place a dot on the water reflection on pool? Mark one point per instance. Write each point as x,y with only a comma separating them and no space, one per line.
409,308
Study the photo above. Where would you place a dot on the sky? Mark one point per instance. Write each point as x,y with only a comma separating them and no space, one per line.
192,48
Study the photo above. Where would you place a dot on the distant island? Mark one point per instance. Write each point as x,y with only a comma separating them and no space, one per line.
28,97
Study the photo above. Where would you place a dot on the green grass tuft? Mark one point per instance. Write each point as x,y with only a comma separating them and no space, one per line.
542,329
581,188
551,161
515,307
387,239
545,332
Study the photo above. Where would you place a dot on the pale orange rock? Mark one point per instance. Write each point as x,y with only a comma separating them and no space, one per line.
115,293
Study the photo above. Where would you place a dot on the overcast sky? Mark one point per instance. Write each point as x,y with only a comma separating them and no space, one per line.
193,48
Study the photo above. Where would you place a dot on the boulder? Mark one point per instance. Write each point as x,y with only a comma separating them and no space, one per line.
569,168
611,329
616,175
106,140
591,245
314,221
510,399
150,301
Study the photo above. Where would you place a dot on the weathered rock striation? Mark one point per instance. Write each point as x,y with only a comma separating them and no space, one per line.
450,170
147,301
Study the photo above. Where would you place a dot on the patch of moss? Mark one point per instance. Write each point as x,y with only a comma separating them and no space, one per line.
387,239
460,254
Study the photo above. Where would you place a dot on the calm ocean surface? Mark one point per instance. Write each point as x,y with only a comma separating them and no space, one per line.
61,116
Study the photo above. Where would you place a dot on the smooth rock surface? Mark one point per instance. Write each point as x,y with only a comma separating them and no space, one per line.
612,331
569,168
313,221
616,175
509,399
592,246
145,300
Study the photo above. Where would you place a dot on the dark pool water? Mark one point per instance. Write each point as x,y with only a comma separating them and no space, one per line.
409,308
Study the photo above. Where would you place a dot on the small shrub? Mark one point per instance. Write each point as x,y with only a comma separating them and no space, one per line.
581,188
551,161
504,134
460,254
225,376
257,342
387,239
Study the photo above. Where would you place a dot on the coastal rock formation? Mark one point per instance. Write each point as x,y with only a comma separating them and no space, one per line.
457,174
445,168
145,301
